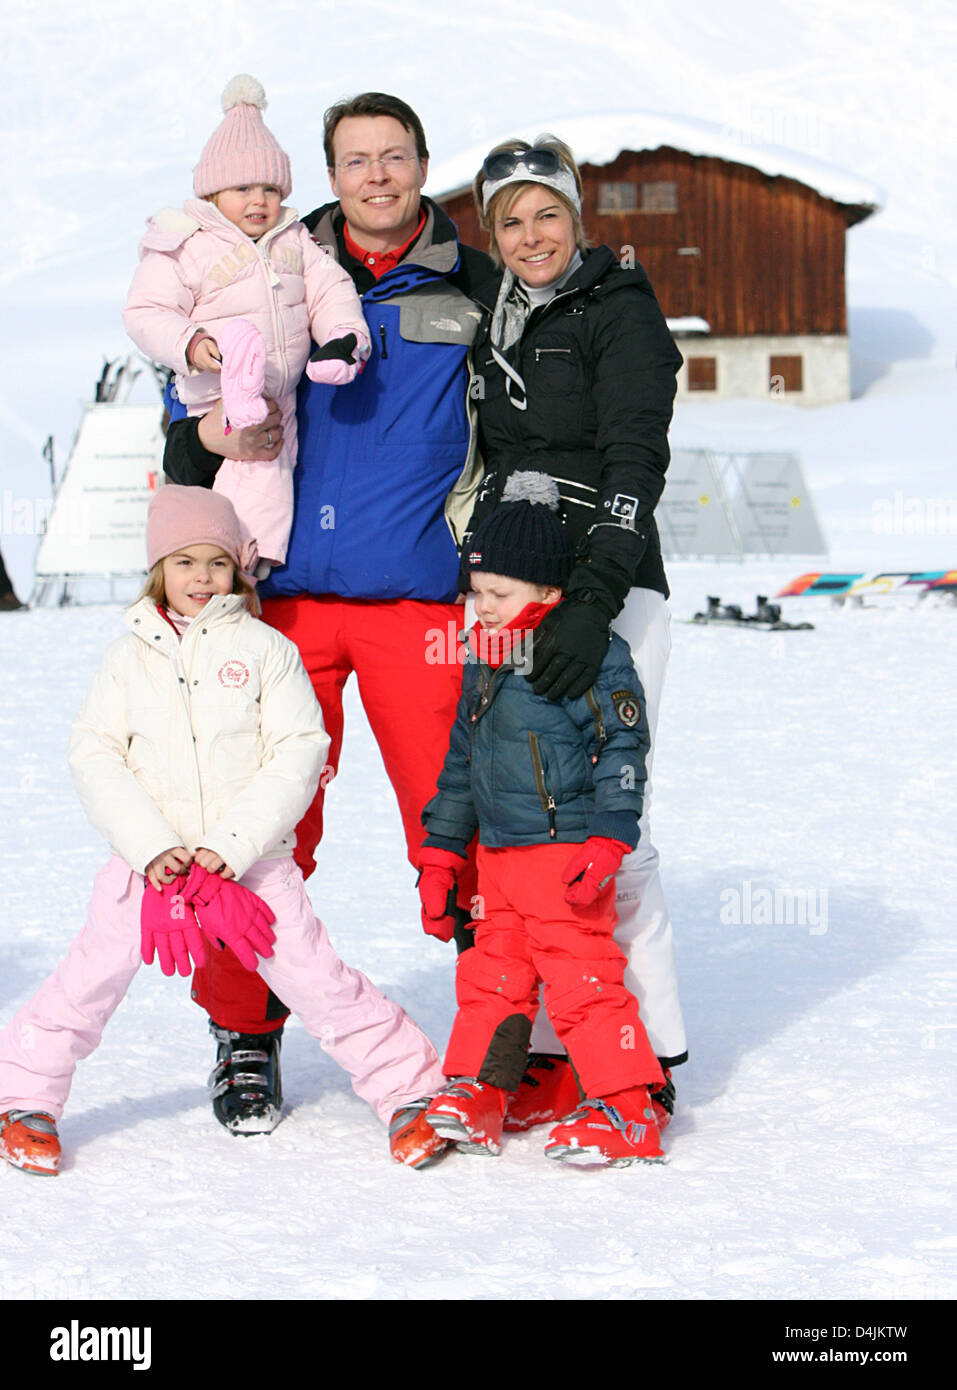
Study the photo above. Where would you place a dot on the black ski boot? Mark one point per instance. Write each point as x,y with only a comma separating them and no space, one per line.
663,1101
719,612
245,1084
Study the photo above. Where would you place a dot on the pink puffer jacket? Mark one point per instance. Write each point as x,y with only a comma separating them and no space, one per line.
198,269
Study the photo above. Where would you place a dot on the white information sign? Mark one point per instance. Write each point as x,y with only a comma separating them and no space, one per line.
771,505
693,516
97,526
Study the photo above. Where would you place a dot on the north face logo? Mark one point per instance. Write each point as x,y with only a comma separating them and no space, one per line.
447,325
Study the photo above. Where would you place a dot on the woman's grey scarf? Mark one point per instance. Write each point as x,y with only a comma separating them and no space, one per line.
512,308
508,325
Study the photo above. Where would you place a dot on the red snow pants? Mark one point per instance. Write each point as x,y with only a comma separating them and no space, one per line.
409,682
528,934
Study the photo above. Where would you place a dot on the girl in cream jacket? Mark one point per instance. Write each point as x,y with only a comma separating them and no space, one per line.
198,749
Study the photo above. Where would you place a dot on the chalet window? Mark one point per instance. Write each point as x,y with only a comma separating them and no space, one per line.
617,197
702,373
787,374
660,196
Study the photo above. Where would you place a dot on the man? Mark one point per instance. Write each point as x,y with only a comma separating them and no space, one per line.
383,491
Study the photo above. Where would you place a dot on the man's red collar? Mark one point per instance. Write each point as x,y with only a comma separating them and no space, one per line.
379,262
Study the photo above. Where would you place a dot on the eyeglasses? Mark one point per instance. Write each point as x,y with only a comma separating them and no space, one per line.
503,164
392,163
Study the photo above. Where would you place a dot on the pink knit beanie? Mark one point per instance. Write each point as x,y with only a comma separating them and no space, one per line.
241,150
182,516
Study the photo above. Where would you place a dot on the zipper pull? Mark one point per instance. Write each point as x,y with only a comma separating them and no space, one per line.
551,817
382,340
271,271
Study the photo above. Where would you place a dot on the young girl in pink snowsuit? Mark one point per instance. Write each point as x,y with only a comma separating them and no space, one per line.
235,257
198,749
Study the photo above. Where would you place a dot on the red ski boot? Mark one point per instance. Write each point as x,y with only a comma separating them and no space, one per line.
547,1093
28,1140
470,1113
412,1140
613,1132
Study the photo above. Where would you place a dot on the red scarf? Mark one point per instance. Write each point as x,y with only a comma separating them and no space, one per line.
497,646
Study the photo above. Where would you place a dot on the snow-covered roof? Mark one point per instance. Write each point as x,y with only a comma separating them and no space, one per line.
688,323
600,138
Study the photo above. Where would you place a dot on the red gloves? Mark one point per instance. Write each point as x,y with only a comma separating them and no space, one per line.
438,873
590,869
231,915
174,921
168,926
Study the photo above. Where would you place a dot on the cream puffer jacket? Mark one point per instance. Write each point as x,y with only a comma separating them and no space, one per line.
198,269
214,741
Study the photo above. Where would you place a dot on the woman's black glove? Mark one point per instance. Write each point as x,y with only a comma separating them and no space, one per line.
568,648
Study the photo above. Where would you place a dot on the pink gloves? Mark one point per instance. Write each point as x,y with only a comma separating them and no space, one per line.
168,927
174,921
243,377
337,362
591,868
231,915
438,873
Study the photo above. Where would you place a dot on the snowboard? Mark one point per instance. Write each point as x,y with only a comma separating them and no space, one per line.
872,584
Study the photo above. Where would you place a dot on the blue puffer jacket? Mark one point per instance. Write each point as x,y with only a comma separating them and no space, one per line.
387,468
524,770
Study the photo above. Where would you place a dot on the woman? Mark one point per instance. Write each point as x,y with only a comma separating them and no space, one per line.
575,376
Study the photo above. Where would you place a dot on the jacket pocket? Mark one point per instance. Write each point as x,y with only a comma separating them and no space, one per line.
541,784
553,368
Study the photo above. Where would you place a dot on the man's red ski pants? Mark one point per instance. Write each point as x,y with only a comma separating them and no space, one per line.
405,660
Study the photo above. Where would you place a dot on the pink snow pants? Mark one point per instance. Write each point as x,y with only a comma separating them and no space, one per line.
388,1057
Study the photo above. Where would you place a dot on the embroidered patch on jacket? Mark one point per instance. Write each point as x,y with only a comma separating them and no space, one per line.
233,674
627,707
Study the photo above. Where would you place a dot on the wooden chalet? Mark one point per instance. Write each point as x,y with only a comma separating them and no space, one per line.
744,245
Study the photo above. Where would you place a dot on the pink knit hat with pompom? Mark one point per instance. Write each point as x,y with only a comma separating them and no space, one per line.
241,150
183,516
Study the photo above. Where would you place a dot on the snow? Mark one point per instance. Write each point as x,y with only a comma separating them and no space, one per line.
811,1156
808,1156
599,139
689,323
809,1145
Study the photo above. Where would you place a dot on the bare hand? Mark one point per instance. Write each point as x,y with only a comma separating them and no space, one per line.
212,863
253,442
206,356
168,866
202,352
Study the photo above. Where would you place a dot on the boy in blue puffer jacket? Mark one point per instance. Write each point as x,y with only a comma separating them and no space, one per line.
554,789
